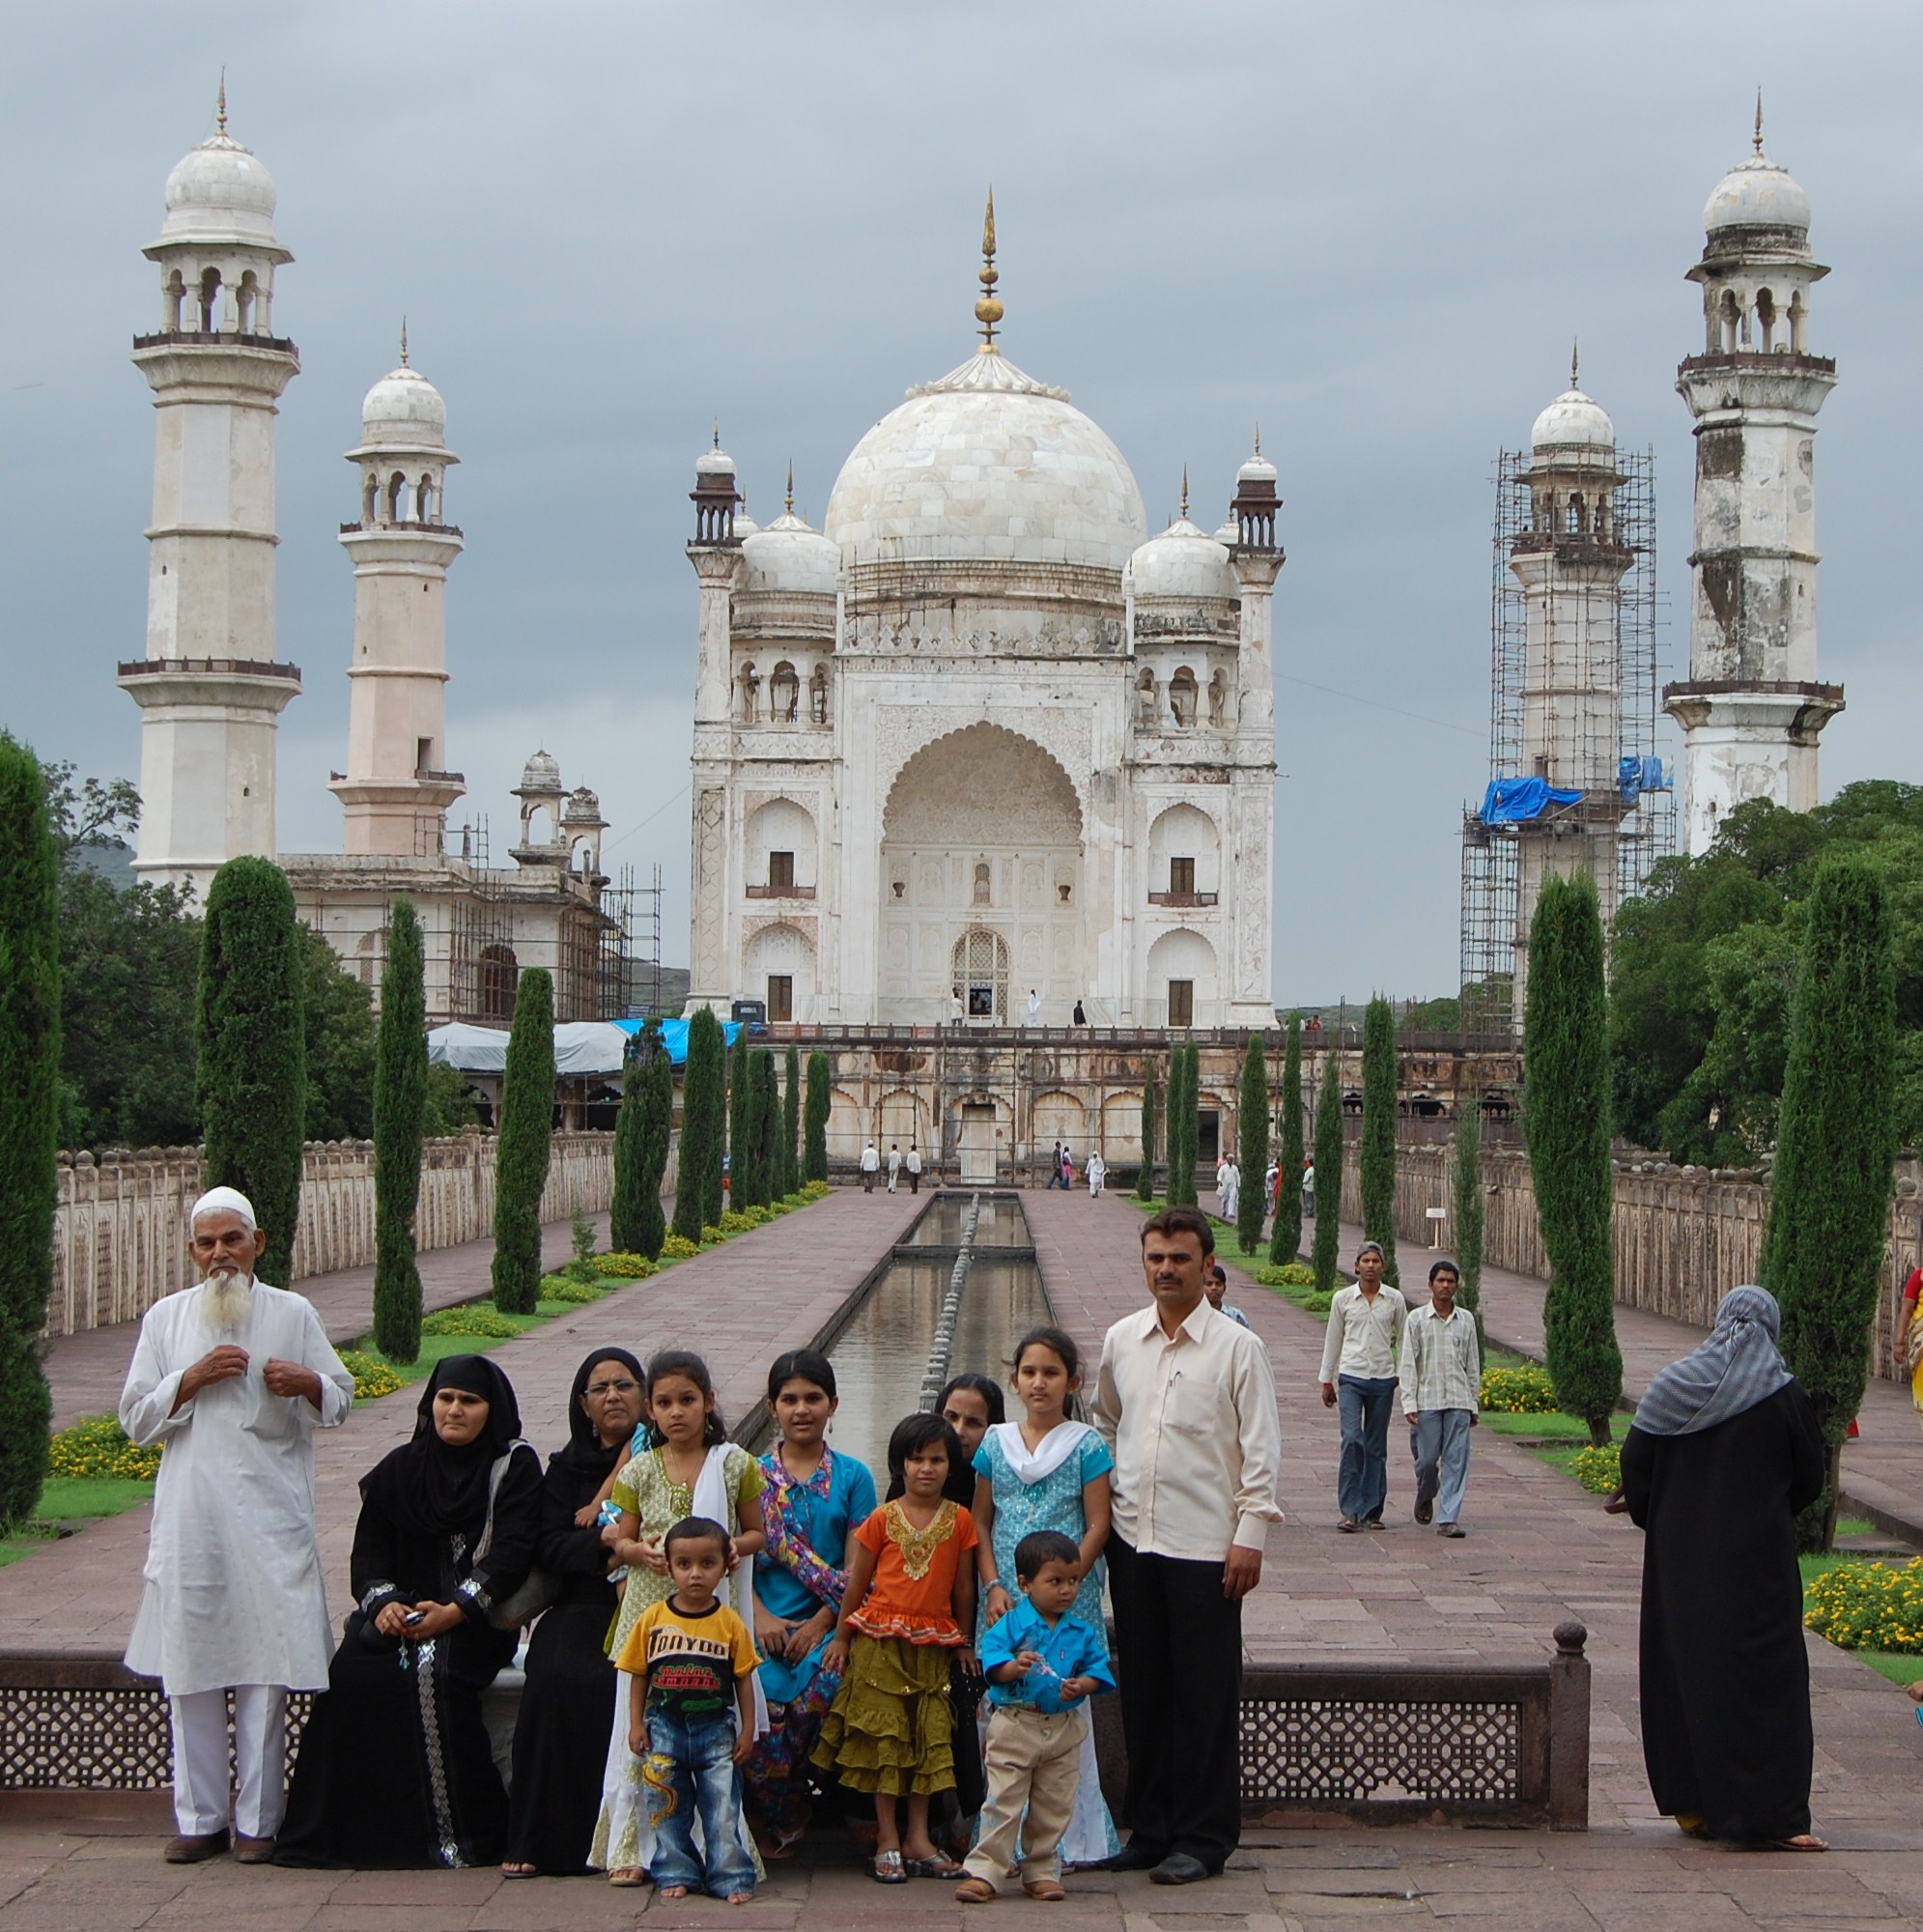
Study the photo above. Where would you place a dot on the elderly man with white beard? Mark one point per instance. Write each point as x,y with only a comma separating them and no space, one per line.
232,1379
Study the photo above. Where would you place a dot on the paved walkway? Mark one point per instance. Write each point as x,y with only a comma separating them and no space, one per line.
1539,1551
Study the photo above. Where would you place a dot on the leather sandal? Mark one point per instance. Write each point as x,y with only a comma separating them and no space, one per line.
976,1892
1048,1890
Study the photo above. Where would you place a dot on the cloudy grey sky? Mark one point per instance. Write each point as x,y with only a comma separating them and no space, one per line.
1373,228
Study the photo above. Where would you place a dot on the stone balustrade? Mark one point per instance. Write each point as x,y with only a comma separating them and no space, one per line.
120,1230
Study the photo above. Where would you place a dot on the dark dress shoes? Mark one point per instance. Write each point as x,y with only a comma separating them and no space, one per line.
1134,1856
1178,1868
188,1850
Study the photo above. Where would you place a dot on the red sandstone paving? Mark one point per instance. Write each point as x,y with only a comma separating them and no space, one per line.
1539,1551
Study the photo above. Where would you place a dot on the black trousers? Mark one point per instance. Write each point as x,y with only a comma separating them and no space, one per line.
1180,1645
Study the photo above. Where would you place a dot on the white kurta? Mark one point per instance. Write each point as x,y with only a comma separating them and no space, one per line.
233,1589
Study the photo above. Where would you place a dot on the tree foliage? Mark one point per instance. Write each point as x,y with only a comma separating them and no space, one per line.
29,1119
765,1116
635,1223
1329,1173
1465,1175
791,1122
814,1161
740,1102
1184,1100
702,1125
1566,1120
523,1143
1830,1190
252,1076
1703,963
341,1035
1286,1237
1378,1132
1145,1180
1253,1153
400,1109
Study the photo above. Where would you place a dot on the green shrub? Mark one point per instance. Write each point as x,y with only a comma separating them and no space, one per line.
371,1379
564,1288
1289,1275
472,1318
630,1267
712,1236
737,1221
678,1247
1524,1391
97,1446
1869,1606
816,1190
1599,1467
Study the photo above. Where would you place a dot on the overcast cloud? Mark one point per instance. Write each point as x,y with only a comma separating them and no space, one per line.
1372,228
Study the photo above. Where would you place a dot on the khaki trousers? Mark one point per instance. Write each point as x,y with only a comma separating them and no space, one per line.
1033,1760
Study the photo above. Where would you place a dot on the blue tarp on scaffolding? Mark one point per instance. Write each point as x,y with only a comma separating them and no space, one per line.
1636,776
1509,800
674,1034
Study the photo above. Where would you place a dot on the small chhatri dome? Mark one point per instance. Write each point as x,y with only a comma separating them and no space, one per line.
1182,565
219,191
541,774
404,407
1574,421
788,556
584,808
715,461
1757,193
1258,469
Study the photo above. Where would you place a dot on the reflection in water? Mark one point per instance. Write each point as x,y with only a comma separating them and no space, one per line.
1002,1224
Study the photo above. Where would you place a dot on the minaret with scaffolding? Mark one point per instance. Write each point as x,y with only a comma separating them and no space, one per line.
1575,784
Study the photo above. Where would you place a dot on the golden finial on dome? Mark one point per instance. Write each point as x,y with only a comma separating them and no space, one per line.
1755,139
1576,360
403,342
988,311
791,487
220,103
1185,492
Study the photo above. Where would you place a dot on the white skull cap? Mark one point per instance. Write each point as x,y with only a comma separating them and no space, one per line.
224,1201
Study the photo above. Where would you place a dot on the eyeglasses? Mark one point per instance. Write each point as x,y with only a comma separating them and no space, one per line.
611,1388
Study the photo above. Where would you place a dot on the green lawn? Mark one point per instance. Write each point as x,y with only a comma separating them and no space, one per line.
436,1348
73,1499
1547,1428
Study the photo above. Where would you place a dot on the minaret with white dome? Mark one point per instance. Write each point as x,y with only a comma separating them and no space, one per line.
1752,708
208,688
396,791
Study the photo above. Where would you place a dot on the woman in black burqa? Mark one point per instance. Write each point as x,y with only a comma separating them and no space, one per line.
395,1766
560,1738
1723,1453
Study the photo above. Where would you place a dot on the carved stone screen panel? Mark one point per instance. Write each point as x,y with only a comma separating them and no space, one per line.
1309,1750
69,1737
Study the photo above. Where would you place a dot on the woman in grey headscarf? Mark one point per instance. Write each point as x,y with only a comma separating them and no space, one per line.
1723,1453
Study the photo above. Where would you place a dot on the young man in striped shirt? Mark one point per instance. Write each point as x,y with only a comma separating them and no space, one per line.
1441,1379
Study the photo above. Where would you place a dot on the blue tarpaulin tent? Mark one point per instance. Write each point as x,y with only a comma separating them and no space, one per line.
674,1034
1509,801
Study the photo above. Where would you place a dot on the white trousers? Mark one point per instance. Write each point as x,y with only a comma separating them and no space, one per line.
200,1760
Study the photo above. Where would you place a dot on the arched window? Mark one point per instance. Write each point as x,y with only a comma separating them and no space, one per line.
1182,696
817,694
749,680
244,317
209,301
397,499
1766,321
172,299
369,495
1730,315
785,692
1578,519
984,883
424,504
981,975
500,974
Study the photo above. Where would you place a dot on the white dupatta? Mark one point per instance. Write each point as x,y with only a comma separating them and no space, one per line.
1030,1466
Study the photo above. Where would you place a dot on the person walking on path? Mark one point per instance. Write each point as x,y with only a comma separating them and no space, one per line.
233,1377
1723,1453
1358,1372
1185,1399
894,1165
1309,1192
1099,1173
1055,1165
1441,1382
914,1167
1908,1344
1228,1181
871,1163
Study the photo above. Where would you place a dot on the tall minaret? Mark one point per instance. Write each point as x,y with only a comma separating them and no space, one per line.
396,792
1570,562
716,555
1752,709
209,689
1256,559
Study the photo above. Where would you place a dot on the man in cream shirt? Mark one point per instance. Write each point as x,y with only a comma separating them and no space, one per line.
1359,1374
1185,1399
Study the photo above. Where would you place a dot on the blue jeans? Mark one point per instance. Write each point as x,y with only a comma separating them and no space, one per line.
690,1768
1439,1442
1362,1478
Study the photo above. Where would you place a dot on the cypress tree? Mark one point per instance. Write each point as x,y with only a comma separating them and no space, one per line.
1565,1117
1836,1145
624,1212
1466,1188
713,1194
767,1129
29,1119
1185,1069
523,1143
1253,1151
741,1101
701,1124
400,1109
791,1122
1145,1181
253,1050
815,1160
1378,1132
1329,1172
1286,1237
1171,1126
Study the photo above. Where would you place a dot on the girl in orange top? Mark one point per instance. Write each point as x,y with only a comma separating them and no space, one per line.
909,1605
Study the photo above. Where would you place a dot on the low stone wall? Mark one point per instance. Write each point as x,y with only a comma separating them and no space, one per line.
120,1230
1685,1235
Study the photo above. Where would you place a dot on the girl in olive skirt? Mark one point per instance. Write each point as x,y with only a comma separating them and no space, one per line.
910,1606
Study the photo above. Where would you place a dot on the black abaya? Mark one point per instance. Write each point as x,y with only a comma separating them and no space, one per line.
1725,1677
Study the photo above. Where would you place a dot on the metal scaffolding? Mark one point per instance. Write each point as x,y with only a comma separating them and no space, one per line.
1598,549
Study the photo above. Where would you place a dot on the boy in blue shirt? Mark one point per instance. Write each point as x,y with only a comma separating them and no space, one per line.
1043,1667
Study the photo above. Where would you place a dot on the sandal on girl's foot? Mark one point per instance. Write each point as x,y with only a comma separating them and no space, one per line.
888,1868
1047,1889
936,1867
976,1892
627,1876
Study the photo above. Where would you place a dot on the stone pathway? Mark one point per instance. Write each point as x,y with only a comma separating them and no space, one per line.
1539,1551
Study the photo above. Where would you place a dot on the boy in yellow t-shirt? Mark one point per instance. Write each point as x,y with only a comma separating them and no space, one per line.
690,1723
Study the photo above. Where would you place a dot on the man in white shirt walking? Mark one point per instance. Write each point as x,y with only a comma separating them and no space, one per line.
1185,1399
914,1166
871,1165
1441,1384
233,1377
1359,1373
894,1165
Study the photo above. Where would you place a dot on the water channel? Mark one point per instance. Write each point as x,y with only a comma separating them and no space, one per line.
961,1289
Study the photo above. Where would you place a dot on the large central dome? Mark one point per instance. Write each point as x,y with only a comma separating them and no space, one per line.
989,465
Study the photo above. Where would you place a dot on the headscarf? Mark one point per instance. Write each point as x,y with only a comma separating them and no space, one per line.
586,1455
1738,1367
431,1486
